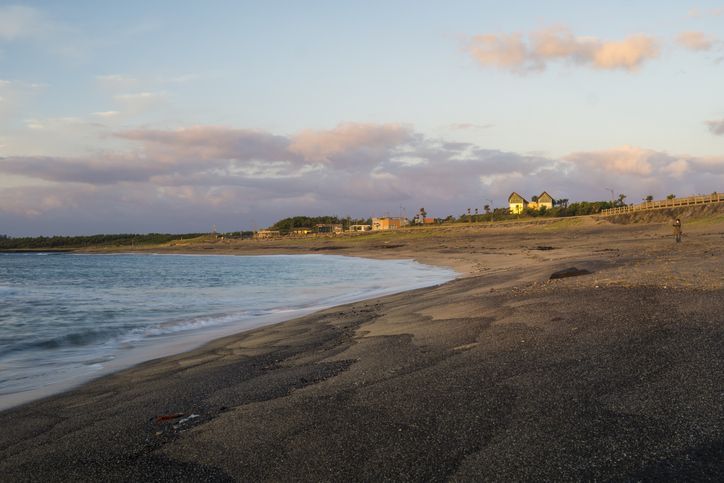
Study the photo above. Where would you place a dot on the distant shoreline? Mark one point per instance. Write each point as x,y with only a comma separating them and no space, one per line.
39,250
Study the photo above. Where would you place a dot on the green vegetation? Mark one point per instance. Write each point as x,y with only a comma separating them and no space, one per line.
63,242
582,208
562,209
287,225
296,222
238,234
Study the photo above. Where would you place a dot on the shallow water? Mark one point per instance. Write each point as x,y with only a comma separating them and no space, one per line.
66,318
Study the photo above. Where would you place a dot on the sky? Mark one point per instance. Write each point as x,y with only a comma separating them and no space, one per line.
167,116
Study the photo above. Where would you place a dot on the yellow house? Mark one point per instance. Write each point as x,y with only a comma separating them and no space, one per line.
388,223
545,201
517,203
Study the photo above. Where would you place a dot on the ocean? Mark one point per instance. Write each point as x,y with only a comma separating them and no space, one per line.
68,318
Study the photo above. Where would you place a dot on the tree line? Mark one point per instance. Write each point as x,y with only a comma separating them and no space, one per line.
61,242
288,225
562,208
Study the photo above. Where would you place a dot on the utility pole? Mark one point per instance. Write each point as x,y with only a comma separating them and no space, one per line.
612,195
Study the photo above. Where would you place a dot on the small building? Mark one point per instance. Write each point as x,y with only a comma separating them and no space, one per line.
545,201
300,231
517,203
328,228
360,227
388,223
422,220
265,234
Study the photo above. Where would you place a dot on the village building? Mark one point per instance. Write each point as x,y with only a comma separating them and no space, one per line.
300,231
360,227
517,203
388,223
265,234
423,221
545,201
328,228
421,218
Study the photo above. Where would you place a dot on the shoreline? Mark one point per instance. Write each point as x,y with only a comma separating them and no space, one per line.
498,374
179,343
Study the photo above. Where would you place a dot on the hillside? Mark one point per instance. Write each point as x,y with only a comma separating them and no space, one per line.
712,213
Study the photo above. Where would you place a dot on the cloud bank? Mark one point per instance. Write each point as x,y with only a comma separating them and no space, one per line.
187,179
534,52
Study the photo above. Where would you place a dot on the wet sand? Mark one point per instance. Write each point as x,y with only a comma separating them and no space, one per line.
501,374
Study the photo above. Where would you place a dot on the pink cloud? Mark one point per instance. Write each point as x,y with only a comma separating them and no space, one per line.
208,143
695,40
622,160
638,163
517,53
321,145
627,54
676,168
176,180
102,170
709,165
506,51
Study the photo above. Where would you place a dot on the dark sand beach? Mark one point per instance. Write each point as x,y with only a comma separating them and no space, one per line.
502,374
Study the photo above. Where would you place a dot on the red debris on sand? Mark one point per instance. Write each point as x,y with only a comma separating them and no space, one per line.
168,417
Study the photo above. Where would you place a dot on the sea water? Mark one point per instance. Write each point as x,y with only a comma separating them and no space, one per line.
67,318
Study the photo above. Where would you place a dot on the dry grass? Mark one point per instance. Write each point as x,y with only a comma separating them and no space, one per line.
563,224
707,220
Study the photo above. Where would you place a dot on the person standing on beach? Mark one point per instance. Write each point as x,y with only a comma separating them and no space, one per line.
677,230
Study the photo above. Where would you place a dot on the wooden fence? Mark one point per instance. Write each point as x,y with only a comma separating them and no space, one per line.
672,203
